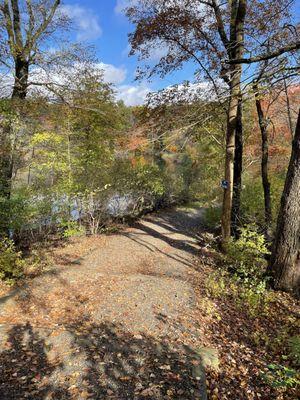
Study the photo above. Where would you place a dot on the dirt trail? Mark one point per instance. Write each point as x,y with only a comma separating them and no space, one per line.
114,323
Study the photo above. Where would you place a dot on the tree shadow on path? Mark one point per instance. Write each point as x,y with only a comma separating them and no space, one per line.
179,244
109,364
179,221
24,366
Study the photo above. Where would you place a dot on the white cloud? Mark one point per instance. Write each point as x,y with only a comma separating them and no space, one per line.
122,4
85,19
133,95
113,74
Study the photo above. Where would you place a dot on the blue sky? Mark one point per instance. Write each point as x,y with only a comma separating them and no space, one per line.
102,23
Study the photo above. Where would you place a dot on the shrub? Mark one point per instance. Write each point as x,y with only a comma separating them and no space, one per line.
216,284
246,259
246,256
294,348
71,229
11,263
281,376
244,278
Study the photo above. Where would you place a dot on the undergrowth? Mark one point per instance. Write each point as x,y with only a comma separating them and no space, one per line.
240,278
242,272
11,263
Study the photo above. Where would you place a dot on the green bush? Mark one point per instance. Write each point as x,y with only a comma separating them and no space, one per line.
71,229
294,348
244,278
246,256
11,263
246,259
281,376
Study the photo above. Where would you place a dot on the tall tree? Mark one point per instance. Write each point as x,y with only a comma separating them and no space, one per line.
268,89
274,66
28,29
263,126
189,36
235,49
215,35
238,169
25,36
285,261
24,33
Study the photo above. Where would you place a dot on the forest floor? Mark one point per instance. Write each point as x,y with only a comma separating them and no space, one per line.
126,316
113,319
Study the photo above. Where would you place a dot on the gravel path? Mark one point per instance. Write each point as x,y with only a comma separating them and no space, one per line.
112,320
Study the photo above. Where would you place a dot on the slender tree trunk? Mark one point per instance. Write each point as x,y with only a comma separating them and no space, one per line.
6,174
29,168
229,160
6,164
235,50
238,169
263,125
288,106
69,169
284,264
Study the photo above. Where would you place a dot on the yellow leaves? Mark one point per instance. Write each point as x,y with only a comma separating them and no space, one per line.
45,137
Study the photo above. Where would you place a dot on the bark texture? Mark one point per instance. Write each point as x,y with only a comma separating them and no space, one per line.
6,175
235,50
285,263
21,78
6,164
263,125
238,170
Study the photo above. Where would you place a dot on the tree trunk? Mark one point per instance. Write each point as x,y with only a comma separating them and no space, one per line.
235,49
238,169
21,78
19,92
7,158
229,160
288,107
6,174
6,164
284,264
263,125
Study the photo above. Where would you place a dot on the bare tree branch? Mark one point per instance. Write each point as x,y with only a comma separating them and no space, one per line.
266,56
